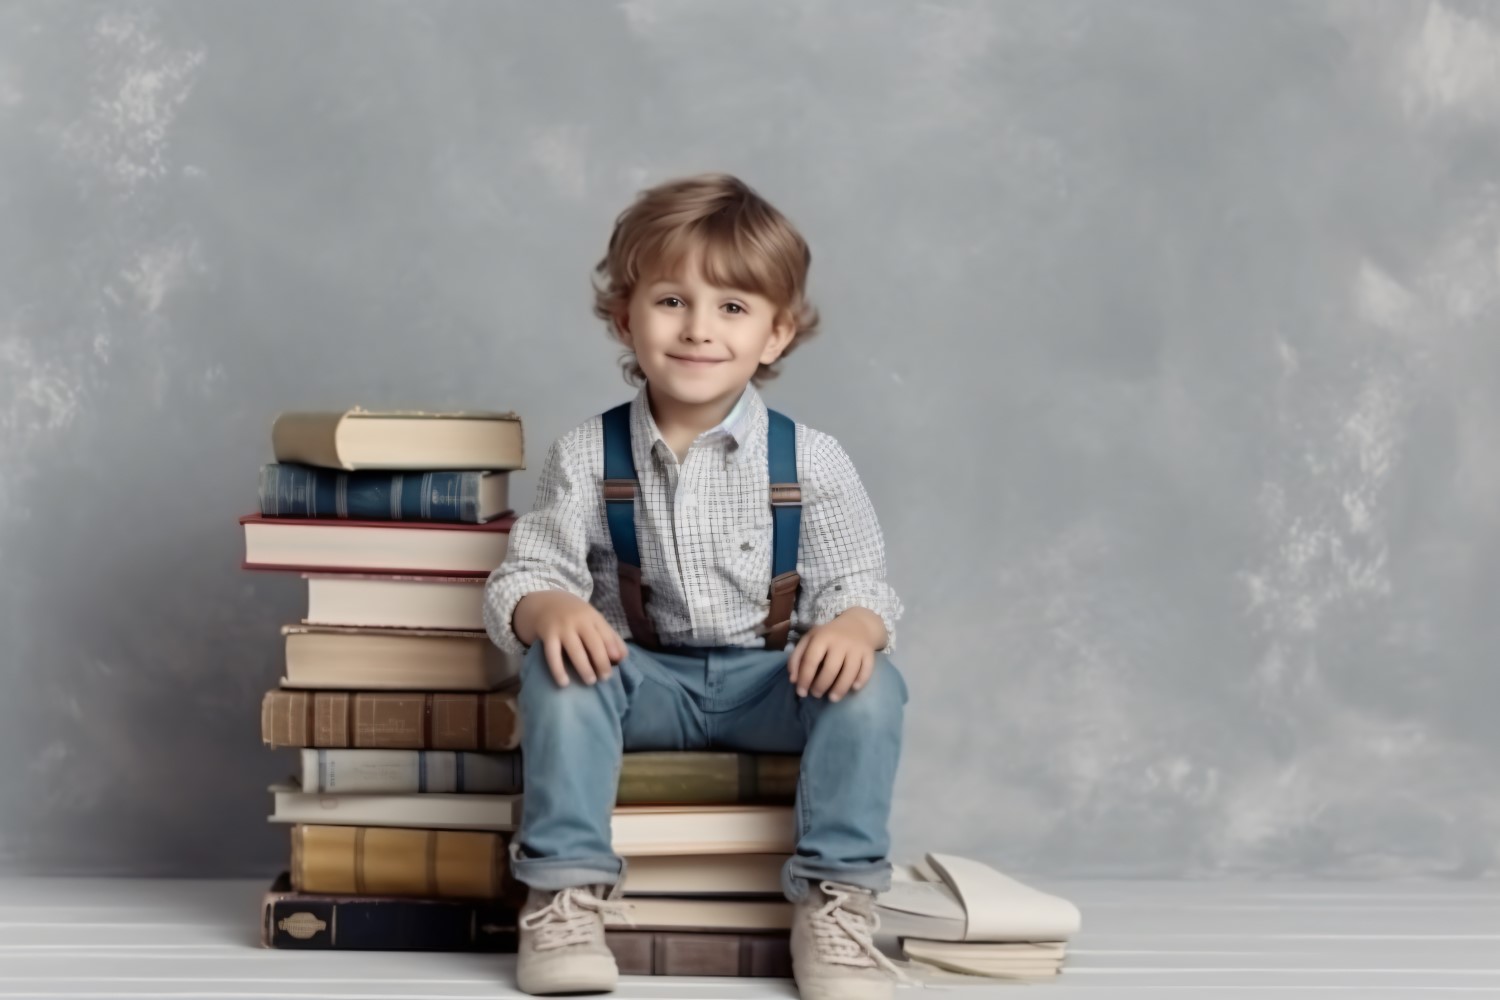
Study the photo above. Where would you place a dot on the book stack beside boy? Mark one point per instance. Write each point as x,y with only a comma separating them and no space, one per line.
403,713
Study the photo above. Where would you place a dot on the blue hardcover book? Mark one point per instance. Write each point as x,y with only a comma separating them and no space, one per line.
288,490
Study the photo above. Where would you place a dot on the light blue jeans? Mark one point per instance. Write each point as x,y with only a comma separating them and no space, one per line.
723,698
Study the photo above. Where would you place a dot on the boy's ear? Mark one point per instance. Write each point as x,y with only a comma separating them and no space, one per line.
782,332
622,328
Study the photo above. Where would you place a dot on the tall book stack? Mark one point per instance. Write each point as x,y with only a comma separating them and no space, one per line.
402,711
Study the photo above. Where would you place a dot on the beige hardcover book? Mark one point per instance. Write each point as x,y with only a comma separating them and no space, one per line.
427,810
1042,960
748,829
395,601
704,875
705,914
335,545
407,440
339,658
699,831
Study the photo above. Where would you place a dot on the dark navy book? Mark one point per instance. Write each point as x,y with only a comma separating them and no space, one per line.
292,919
288,490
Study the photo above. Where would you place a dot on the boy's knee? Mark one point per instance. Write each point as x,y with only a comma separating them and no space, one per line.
882,697
540,691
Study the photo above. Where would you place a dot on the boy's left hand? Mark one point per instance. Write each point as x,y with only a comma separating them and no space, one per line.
837,656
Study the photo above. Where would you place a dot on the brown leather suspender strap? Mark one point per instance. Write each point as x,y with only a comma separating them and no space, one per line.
779,615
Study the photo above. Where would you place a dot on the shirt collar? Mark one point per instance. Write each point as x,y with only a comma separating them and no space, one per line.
739,425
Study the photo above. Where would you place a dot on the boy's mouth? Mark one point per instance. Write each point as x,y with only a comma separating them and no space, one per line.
695,362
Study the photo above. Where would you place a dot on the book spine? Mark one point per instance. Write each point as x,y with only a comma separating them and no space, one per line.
398,861
314,921
708,778
406,771
307,439
700,953
390,720
355,923
288,490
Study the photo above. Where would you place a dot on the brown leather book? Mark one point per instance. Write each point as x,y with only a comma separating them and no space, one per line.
397,861
695,953
391,720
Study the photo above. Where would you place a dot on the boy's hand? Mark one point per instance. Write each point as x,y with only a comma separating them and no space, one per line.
566,624
837,656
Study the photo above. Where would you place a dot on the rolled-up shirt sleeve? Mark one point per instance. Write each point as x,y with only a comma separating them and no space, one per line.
548,547
842,560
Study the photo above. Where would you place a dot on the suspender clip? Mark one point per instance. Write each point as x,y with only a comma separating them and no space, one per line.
786,495
619,490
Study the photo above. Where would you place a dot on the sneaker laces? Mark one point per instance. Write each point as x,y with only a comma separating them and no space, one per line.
571,917
843,935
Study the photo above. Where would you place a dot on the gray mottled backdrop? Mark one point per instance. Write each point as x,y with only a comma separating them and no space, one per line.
1164,334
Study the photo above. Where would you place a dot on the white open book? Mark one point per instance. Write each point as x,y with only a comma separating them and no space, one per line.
948,898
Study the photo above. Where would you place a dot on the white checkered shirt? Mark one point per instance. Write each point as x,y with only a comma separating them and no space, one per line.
704,529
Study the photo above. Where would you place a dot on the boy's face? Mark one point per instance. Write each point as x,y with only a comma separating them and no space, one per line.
700,343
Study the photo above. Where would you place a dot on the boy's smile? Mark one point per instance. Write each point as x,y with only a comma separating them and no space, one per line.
696,362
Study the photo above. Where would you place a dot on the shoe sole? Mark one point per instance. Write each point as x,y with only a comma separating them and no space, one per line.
598,979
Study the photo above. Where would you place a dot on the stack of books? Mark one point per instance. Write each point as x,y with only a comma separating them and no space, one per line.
704,836
959,916
402,711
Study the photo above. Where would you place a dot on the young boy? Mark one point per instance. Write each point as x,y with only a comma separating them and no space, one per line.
677,542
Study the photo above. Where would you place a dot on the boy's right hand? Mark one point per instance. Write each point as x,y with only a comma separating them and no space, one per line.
566,624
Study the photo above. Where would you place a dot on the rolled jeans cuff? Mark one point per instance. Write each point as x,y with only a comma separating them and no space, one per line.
551,874
798,875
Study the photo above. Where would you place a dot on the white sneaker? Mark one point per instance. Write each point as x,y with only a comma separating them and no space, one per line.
833,952
562,947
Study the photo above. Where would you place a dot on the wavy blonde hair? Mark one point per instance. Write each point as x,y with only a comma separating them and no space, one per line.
744,241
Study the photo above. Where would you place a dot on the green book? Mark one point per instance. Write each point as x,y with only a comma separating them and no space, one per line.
702,777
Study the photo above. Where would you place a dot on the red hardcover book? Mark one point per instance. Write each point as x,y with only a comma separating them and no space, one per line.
422,548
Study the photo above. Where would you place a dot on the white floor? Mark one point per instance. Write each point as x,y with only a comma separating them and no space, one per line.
169,938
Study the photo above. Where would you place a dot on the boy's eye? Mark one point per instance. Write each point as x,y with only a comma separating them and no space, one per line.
672,300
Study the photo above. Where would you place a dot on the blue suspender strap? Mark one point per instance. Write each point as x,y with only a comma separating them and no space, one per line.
786,527
620,484
620,487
